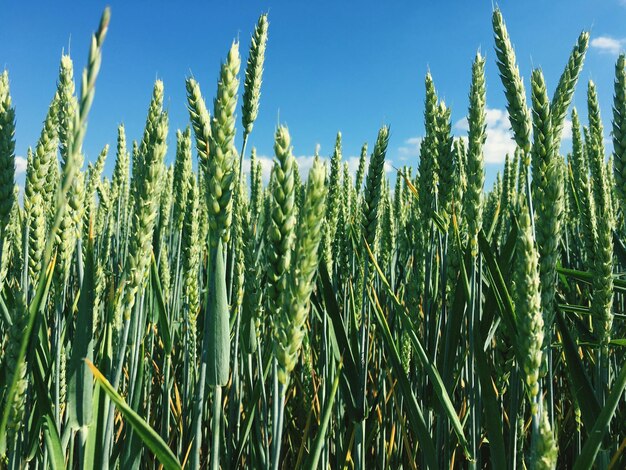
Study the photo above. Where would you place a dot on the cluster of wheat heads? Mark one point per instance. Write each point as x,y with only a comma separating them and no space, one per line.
168,316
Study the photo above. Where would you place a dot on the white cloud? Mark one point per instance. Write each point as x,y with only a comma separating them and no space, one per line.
410,150
304,165
305,162
494,117
266,166
462,125
499,140
499,136
608,45
353,165
567,130
20,165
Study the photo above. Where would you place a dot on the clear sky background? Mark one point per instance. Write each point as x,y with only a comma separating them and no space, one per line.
330,65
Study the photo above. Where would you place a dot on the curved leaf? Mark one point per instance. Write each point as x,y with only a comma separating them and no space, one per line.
592,445
416,418
148,435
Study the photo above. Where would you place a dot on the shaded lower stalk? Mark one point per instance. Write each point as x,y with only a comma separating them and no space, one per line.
263,399
279,418
57,360
472,383
359,461
199,399
234,398
108,433
217,418
165,406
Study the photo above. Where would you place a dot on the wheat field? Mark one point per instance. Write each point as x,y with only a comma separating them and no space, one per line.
193,315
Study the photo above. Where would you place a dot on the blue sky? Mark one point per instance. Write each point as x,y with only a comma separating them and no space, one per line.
330,65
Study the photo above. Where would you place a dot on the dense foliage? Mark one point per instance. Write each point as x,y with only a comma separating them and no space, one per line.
172,316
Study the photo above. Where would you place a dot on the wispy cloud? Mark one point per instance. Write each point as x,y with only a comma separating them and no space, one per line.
608,45
500,136
499,140
266,166
353,165
410,150
20,165
305,162
567,130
